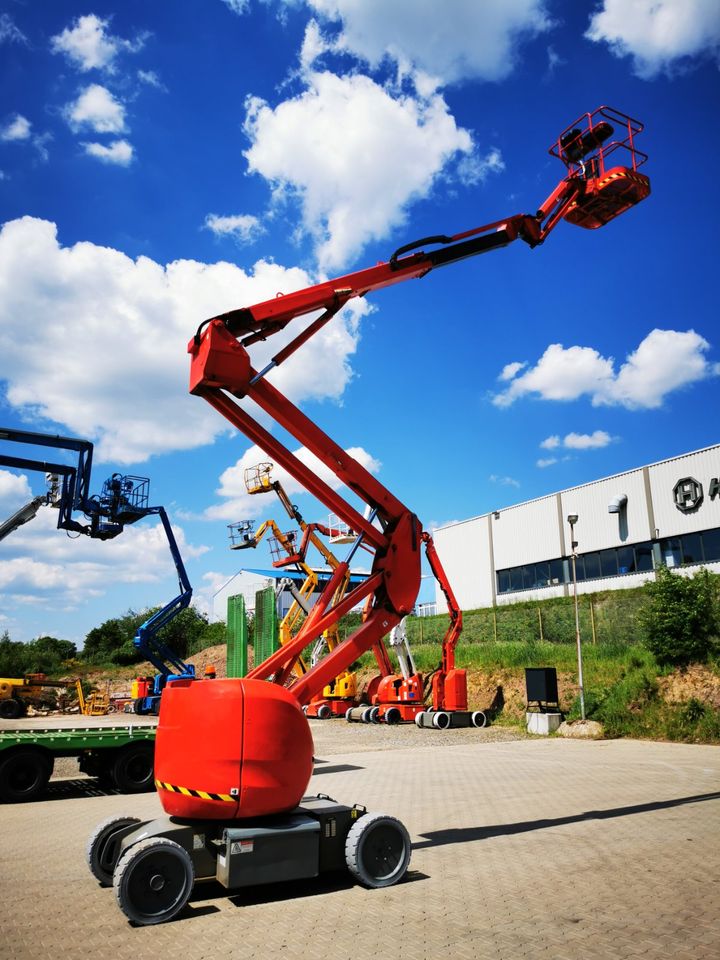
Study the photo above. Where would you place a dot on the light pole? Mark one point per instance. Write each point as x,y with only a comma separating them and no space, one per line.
572,520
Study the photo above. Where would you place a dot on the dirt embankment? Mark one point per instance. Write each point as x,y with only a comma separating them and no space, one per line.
677,687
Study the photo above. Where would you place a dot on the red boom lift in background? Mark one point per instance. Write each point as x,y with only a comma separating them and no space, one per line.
234,757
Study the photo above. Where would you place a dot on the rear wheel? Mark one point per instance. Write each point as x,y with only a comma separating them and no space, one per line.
324,712
132,768
377,850
153,881
103,847
12,709
24,774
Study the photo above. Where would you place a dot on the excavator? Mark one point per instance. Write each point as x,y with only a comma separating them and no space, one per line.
123,500
234,757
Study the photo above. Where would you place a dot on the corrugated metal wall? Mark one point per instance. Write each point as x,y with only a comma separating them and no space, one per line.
537,530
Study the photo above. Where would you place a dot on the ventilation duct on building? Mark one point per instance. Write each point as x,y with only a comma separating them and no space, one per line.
618,504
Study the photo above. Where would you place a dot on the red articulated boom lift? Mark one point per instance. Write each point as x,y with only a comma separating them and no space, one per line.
234,757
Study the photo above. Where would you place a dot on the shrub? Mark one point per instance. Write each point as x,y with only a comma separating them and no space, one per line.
679,617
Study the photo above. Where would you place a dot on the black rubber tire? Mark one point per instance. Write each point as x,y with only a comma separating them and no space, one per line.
392,715
103,847
24,773
377,850
478,718
133,767
324,712
441,720
153,881
12,709
374,715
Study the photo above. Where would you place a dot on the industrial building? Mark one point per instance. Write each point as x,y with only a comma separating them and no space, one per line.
625,527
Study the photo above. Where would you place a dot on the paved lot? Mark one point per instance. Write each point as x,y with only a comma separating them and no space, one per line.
532,848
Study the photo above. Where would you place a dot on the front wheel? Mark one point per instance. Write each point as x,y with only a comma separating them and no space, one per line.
377,850
153,881
103,847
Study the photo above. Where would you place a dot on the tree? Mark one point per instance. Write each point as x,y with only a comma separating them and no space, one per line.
12,656
112,641
679,618
42,655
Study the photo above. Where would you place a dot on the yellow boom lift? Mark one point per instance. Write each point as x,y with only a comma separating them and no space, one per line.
340,694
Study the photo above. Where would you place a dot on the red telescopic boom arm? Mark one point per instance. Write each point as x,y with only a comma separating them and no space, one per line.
222,373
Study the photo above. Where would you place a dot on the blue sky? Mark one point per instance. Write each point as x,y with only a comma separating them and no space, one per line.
160,163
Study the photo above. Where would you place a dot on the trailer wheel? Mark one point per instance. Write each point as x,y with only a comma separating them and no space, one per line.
132,768
377,850
12,709
153,881
103,847
24,773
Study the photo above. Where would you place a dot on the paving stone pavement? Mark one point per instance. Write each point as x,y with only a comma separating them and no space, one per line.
528,849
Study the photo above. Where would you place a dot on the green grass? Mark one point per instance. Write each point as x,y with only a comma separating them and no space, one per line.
621,686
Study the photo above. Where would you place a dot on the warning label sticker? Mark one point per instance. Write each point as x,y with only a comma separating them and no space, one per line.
242,846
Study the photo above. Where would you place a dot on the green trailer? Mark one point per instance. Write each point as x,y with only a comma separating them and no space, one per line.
120,756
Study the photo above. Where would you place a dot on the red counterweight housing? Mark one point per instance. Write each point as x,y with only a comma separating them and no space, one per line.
454,689
231,749
402,695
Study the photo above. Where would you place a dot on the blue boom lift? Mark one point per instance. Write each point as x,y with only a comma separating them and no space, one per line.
122,501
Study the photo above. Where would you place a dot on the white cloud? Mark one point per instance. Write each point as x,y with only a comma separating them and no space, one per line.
353,188
314,45
118,340
465,40
475,169
238,504
545,462
242,227
14,491
237,6
16,129
75,570
666,360
97,108
9,31
119,152
151,79
658,34
510,370
89,46
576,441
587,441
503,481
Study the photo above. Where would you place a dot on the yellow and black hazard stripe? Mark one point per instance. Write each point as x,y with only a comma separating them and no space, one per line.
201,794
624,175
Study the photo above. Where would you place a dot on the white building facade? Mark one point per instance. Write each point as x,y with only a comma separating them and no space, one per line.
627,526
